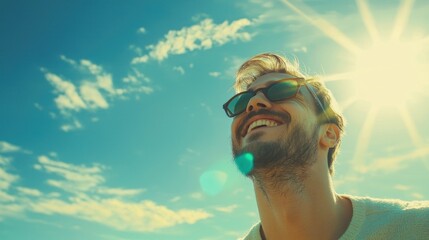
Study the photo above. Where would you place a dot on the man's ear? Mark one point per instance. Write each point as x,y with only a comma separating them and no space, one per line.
330,135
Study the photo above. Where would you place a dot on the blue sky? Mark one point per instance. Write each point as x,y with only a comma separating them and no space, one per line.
111,119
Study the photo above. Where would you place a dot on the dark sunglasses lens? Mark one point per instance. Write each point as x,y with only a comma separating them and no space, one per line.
239,103
282,90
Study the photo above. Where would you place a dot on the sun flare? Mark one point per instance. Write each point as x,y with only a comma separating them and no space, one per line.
388,73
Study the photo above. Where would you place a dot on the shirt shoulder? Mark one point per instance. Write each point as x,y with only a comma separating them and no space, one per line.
385,218
253,233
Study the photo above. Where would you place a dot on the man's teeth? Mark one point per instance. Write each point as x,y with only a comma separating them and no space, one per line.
261,122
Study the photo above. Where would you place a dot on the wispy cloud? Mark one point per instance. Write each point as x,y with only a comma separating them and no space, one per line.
203,35
6,178
179,69
8,147
73,125
82,194
144,216
29,191
214,74
175,199
137,82
93,90
141,30
119,192
227,209
397,162
73,178
197,195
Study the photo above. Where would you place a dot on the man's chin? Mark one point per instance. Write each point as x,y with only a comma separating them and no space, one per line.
263,153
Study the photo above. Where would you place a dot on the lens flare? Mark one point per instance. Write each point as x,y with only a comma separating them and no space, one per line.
245,163
213,182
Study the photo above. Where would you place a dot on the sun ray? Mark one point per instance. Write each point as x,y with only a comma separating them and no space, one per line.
412,130
345,105
402,18
411,127
368,20
337,77
415,137
327,28
363,140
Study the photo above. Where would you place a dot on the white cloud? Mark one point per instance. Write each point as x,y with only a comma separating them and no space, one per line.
141,30
74,178
105,82
4,160
10,210
135,81
29,191
136,77
95,90
85,197
136,49
175,199
402,187
144,216
67,98
396,162
300,49
200,36
68,60
8,147
179,69
6,179
227,209
120,192
214,74
91,67
5,197
141,59
197,196
74,125
145,90
93,97
38,106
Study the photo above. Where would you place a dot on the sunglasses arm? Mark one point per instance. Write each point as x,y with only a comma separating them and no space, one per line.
317,100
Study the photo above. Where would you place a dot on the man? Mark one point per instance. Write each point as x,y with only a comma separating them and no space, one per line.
286,133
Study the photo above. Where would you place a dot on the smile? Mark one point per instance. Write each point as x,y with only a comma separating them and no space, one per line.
261,123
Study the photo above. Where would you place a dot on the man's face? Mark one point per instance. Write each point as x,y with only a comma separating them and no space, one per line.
278,134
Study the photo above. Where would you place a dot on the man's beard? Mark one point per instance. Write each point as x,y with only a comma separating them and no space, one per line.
282,161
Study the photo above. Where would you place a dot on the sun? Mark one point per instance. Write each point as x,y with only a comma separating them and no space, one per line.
391,70
389,73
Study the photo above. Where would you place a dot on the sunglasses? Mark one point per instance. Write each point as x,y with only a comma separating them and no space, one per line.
279,91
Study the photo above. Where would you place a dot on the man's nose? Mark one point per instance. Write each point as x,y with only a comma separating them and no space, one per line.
257,102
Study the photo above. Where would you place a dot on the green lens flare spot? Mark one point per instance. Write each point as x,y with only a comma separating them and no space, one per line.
213,182
245,163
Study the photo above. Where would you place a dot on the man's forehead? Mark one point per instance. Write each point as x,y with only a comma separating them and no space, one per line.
268,78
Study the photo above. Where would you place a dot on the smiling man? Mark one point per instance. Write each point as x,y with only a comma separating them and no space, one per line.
289,129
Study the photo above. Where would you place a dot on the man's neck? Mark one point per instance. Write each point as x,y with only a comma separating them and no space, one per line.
315,212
